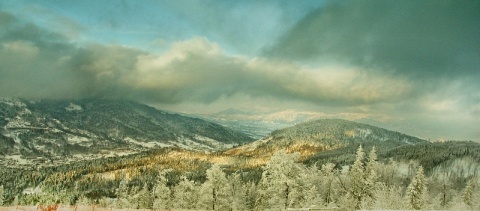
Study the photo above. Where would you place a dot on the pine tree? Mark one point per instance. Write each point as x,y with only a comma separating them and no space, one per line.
237,192
371,178
417,190
250,195
388,198
468,193
144,198
185,194
356,177
328,186
214,191
133,198
281,183
161,193
122,194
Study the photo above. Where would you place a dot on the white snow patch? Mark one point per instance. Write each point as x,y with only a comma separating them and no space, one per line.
76,139
144,144
13,102
18,159
74,107
363,133
212,142
32,190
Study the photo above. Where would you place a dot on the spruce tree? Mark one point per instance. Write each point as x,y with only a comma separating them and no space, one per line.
214,191
144,198
468,193
416,190
122,194
281,183
356,177
185,195
161,193
370,176
236,192
328,185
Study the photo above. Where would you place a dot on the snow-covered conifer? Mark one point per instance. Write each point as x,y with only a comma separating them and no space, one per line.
250,195
328,184
280,185
144,198
417,190
236,192
161,193
468,193
357,181
122,194
370,182
185,194
388,198
214,191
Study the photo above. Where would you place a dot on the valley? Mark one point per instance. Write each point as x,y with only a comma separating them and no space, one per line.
118,153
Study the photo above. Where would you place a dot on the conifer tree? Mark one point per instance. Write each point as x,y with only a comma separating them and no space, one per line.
280,185
417,190
122,194
250,195
214,191
161,193
144,198
185,194
328,189
356,177
237,192
133,197
371,177
468,193
388,198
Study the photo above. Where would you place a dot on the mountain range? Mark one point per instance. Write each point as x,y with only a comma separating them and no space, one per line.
52,131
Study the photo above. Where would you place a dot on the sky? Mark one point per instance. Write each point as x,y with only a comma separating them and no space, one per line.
412,65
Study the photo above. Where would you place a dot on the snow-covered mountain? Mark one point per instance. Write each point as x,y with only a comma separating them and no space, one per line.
50,131
312,137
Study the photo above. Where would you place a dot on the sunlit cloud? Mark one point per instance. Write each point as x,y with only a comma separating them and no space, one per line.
412,63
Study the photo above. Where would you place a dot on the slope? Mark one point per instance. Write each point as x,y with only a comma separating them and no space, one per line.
48,130
324,135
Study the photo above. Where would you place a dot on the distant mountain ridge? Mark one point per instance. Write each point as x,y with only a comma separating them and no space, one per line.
316,136
260,124
49,130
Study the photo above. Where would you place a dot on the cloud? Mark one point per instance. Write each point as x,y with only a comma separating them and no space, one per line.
198,70
419,38
37,63
434,45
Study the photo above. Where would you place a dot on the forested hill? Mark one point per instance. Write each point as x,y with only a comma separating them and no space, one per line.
323,135
51,130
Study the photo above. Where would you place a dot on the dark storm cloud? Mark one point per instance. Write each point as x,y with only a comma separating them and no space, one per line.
37,63
419,38
434,45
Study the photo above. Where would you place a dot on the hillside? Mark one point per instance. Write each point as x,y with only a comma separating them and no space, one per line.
97,181
46,131
324,135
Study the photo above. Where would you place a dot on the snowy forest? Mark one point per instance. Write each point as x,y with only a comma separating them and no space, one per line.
280,184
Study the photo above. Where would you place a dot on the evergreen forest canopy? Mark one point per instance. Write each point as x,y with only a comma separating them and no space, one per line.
412,178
